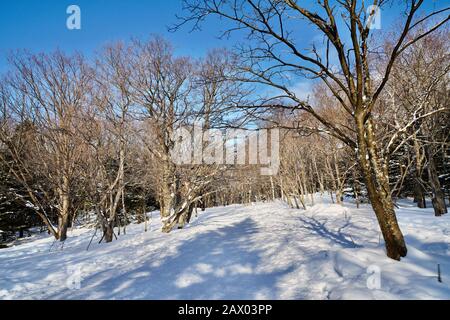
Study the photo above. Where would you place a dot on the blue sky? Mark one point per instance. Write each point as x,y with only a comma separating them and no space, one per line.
40,25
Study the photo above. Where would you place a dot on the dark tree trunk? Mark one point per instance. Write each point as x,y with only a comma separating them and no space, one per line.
192,207
438,200
203,205
108,233
419,195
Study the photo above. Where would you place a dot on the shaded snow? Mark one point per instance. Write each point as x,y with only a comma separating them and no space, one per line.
263,251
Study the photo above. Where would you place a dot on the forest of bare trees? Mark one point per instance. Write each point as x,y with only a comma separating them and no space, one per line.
91,140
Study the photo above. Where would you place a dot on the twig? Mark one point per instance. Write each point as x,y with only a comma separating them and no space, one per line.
439,273
54,241
92,238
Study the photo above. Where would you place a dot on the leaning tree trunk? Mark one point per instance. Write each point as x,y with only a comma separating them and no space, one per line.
438,195
185,216
377,182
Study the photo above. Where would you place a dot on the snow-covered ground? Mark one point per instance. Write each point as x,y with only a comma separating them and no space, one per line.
263,251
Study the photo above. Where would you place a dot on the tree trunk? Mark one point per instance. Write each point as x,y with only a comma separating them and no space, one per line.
356,190
438,200
108,232
319,178
419,194
144,215
64,213
272,187
63,224
419,191
338,183
203,203
295,201
168,194
125,214
333,182
182,219
376,177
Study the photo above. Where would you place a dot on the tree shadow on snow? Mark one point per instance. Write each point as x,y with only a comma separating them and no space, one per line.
219,264
336,237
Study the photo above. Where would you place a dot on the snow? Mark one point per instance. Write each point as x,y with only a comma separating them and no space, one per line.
262,251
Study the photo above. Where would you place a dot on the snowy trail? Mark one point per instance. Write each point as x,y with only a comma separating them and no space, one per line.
263,251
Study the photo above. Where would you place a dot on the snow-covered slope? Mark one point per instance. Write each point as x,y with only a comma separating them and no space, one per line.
263,251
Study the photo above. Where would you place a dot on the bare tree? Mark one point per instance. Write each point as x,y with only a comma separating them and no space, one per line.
113,99
273,51
49,92
161,84
419,86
